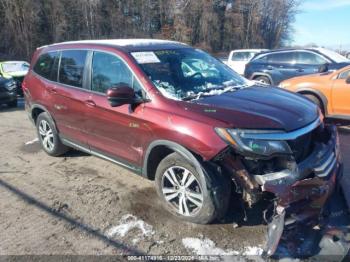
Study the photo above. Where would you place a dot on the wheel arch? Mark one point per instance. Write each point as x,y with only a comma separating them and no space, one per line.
36,110
256,75
159,149
323,99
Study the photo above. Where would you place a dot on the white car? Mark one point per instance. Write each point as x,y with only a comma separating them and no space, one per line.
238,59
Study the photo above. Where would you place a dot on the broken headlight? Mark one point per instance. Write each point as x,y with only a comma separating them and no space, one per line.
248,141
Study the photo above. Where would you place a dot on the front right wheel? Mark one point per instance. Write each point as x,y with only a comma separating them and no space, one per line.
186,194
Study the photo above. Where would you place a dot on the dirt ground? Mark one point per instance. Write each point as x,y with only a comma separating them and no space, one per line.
74,205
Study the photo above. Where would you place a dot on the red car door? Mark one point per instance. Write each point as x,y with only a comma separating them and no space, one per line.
119,133
70,96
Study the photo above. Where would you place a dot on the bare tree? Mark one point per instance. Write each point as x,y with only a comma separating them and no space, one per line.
214,25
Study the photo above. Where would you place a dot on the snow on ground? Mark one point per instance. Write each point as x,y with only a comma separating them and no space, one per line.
32,141
129,222
203,247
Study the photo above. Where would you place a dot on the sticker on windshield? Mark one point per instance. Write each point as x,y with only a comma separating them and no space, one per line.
145,57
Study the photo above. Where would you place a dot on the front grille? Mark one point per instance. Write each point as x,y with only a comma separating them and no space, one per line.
302,146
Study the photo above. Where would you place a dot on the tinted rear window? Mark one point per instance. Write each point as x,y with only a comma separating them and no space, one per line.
45,66
72,67
287,57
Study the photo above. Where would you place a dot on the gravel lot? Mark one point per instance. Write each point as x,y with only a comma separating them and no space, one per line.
79,204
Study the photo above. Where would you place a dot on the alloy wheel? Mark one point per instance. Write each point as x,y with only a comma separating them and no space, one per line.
182,191
46,135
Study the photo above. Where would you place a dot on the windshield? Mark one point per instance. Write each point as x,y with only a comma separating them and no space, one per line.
187,73
9,67
338,58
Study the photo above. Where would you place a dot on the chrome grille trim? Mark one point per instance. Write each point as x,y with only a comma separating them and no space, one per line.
279,135
324,169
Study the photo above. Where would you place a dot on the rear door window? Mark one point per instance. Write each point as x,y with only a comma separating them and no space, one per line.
281,58
46,66
72,67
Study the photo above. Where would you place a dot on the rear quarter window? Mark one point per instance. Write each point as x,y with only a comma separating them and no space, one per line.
46,65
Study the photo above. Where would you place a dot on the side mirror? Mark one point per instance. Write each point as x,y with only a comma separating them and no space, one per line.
348,80
120,94
323,68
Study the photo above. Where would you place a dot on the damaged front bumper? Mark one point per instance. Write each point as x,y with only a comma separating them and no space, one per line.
300,190
302,195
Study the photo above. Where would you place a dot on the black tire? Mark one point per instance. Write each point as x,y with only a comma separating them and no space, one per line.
12,103
214,189
315,100
58,148
263,79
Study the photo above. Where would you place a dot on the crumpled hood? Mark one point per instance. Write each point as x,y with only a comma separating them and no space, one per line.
258,108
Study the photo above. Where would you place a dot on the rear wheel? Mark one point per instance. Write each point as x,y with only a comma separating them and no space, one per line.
48,136
186,194
263,79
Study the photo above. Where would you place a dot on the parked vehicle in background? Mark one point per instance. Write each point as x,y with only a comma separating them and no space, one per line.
275,66
16,70
330,91
197,136
222,59
348,56
8,94
238,59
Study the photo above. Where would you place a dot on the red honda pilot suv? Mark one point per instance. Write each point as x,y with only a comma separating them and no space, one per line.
180,117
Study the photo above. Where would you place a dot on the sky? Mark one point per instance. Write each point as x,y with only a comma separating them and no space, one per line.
323,22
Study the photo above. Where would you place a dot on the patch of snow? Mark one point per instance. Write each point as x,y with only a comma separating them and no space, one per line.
32,141
135,241
129,222
252,251
205,247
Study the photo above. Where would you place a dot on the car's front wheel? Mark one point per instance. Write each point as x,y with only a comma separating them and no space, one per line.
186,194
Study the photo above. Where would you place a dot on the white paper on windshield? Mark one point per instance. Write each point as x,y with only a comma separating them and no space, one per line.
145,57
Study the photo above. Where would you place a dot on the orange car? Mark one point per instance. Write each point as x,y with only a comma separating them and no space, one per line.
330,90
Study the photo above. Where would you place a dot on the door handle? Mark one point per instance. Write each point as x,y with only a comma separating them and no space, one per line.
300,70
269,68
90,103
53,90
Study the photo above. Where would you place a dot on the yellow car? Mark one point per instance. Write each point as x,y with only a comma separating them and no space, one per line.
16,70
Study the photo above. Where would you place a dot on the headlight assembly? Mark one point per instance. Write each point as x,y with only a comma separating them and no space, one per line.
248,141
11,85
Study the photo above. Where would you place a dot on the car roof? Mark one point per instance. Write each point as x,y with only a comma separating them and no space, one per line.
250,50
127,44
289,49
285,50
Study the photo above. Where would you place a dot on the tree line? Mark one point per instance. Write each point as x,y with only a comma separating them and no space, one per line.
214,25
